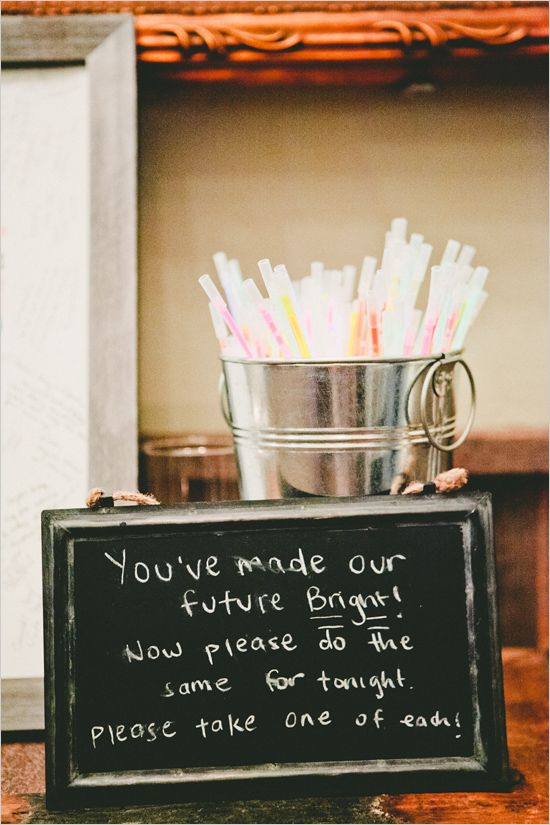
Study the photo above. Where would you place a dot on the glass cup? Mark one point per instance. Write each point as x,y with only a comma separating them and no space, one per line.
189,467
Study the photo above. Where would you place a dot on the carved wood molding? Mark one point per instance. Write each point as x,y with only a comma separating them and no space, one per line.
378,42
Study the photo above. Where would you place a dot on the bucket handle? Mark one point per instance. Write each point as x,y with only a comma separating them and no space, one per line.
224,401
430,381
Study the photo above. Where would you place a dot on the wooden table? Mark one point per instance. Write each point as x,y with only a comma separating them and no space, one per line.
526,691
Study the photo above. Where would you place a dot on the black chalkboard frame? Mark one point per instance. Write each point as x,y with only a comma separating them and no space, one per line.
487,768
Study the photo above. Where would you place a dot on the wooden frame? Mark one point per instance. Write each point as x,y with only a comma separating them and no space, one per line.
69,785
104,46
370,43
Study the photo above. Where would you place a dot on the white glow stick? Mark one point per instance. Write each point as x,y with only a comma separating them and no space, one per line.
388,334
230,287
410,337
451,251
215,296
266,272
387,254
466,255
422,261
478,307
467,320
348,281
470,308
444,309
399,228
220,330
437,283
366,277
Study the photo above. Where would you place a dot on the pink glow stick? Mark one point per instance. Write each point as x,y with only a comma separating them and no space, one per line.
215,296
256,298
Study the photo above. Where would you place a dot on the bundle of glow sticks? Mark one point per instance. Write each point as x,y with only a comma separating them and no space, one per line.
335,313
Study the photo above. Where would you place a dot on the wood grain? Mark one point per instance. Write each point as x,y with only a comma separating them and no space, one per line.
525,686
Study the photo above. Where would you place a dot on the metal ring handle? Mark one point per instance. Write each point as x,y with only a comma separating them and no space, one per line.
224,401
428,381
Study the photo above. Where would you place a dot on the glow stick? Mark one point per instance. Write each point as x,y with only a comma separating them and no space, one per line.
292,309
266,272
479,277
451,251
348,281
431,316
213,293
410,336
362,329
317,271
419,268
368,269
464,274
387,254
475,289
220,330
320,337
450,282
452,319
220,262
474,286
466,255
480,302
402,321
396,267
229,287
288,307
399,228
466,321
375,302
278,313
256,299
254,331
234,268
388,334
421,263
354,318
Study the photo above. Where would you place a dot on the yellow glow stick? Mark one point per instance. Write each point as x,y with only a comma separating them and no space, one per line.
286,301
353,329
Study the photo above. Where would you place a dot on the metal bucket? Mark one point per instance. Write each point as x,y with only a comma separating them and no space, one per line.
346,427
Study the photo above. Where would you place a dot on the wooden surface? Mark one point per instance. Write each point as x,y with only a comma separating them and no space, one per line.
525,673
526,691
514,451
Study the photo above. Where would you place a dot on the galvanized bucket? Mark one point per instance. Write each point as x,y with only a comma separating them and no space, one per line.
346,427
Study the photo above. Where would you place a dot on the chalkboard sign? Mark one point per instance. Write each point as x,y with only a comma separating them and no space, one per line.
272,648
